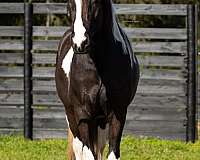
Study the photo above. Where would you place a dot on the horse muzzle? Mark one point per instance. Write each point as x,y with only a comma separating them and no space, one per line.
82,48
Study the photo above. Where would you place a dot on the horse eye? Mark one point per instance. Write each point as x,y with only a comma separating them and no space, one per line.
96,2
97,5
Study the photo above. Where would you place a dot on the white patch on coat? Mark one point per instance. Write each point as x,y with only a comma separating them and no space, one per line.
78,148
66,63
67,120
87,154
79,29
112,156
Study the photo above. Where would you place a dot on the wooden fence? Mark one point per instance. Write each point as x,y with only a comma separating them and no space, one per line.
162,101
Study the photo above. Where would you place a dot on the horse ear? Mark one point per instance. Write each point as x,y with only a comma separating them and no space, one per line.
69,11
68,8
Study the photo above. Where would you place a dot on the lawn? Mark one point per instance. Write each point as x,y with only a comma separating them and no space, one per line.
16,148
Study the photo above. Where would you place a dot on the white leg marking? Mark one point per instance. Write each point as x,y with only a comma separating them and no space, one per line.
87,154
66,64
79,29
81,153
78,148
112,156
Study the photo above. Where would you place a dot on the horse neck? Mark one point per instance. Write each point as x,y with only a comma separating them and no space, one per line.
106,36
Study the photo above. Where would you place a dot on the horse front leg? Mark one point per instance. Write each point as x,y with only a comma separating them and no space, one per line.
70,152
116,125
81,144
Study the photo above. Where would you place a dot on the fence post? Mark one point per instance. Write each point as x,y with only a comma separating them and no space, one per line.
28,113
192,87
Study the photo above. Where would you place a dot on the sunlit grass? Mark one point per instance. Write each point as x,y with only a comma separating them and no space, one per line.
16,148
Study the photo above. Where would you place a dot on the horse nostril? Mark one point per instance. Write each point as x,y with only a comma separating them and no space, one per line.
82,48
74,46
85,44
79,49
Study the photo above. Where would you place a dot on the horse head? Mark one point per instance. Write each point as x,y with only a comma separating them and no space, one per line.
88,20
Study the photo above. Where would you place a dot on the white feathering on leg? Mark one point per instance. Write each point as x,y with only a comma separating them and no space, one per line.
112,156
78,148
87,154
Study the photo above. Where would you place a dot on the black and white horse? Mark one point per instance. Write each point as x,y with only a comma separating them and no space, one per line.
96,78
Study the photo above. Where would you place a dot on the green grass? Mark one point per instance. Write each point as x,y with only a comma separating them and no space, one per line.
16,148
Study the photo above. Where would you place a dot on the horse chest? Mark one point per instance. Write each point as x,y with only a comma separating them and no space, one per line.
85,83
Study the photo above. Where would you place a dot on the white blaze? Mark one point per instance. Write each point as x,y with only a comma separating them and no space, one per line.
66,64
79,29
112,156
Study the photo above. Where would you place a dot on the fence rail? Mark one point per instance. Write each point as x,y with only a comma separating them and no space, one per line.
135,9
51,45
152,33
159,108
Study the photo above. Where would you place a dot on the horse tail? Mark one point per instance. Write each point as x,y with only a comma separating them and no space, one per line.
70,152
99,142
